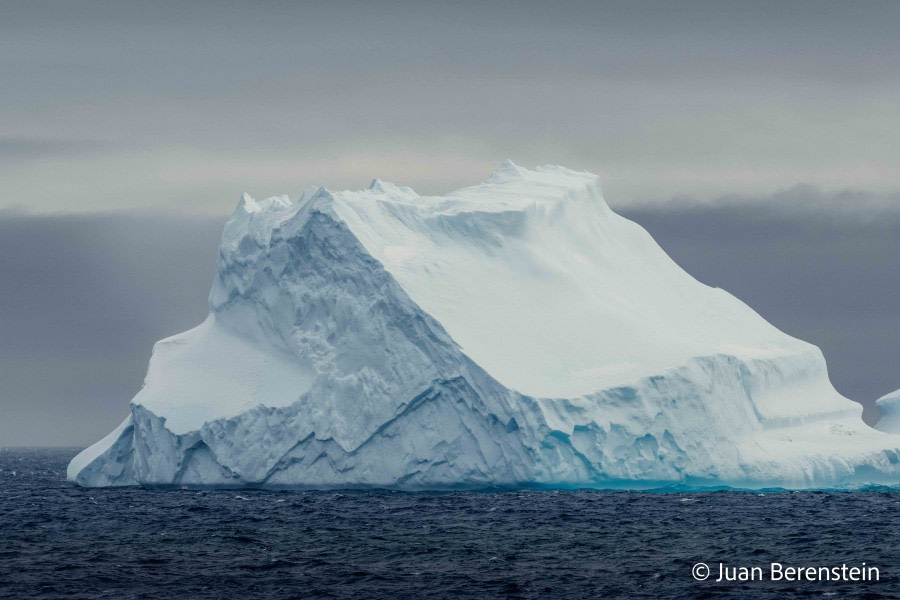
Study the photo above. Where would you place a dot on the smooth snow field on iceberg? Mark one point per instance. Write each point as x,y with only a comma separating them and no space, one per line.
514,333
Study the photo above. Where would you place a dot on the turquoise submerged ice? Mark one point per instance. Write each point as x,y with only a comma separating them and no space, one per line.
514,333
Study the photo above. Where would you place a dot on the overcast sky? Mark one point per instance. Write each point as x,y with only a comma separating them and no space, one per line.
185,104
759,142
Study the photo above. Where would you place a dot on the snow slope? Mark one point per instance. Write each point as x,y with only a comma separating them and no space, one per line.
517,332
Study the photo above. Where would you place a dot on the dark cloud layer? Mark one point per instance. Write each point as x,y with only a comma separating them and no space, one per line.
23,148
84,298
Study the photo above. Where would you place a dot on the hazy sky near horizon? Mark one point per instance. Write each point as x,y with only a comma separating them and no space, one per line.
756,141
182,106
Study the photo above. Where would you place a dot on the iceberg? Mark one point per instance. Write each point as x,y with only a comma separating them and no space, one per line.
889,407
514,333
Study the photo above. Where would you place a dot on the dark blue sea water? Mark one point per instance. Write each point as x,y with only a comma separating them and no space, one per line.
59,541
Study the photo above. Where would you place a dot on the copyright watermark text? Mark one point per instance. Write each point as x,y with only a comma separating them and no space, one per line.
722,572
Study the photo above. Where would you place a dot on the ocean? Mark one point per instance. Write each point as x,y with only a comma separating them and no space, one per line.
60,541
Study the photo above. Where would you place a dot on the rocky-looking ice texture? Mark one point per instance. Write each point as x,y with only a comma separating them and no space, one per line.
889,406
513,333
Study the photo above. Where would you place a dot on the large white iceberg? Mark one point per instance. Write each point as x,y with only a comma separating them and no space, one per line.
514,333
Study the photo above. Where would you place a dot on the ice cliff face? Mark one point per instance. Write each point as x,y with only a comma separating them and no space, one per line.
514,333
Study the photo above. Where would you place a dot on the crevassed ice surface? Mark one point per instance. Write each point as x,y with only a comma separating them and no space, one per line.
517,332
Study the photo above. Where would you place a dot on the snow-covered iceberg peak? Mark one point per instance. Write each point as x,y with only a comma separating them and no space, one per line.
517,332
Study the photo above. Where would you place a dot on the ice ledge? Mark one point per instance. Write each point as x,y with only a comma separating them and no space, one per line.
107,463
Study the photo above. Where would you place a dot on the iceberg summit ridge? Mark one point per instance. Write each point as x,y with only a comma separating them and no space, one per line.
513,333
